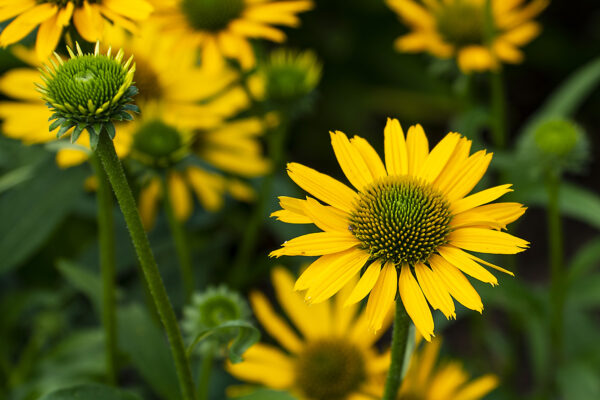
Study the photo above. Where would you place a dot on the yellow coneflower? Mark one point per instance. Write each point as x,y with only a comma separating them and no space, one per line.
426,381
228,150
51,16
459,28
334,356
161,76
410,221
221,28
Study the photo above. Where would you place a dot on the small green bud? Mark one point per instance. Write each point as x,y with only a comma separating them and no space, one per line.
556,137
158,144
289,75
211,309
89,91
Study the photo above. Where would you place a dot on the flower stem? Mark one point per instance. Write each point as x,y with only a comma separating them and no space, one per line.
555,242
181,245
399,340
106,238
116,176
498,109
204,380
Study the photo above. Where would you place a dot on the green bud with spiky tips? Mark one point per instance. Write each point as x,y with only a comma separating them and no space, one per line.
210,310
89,92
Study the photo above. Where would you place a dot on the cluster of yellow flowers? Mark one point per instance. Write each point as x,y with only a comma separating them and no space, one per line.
407,228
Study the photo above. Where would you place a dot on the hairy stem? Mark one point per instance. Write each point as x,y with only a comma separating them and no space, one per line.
116,176
399,340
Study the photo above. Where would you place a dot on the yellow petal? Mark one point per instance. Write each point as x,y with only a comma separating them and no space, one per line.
487,241
396,159
308,319
311,273
8,11
471,173
266,365
89,22
273,323
475,218
47,38
322,186
415,303
325,217
477,388
504,213
370,157
476,58
382,297
133,9
317,244
434,290
479,260
455,166
207,186
459,259
148,202
417,147
522,34
365,284
508,52
456,283
26,22
350,161
293,211
439,156
412,13
336,274
256,30
180,196
480,198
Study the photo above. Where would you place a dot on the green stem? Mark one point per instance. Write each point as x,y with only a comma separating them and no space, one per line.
555,242
204,380
106,238
498,106
116,176
399,340
275,145
181,245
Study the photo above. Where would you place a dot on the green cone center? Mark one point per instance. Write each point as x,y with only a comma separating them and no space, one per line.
86,78
461,23
330,369
401,219
157,140
211,15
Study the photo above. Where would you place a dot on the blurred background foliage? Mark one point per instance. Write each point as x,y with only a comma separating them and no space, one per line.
49,275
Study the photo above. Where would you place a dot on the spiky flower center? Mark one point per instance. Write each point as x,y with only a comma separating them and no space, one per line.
330,369
211,15
461,23
157,139
401,219
95,79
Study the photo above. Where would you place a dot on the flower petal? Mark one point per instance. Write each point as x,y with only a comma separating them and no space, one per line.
396,159
370,157
382,297
365,284
415,303
457,284
436,293
316,244
417,147
322,186
326,217
439,156
459,259
479,198
350,161
487,241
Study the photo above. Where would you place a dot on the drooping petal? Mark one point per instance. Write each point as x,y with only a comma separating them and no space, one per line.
456,283
415,303
366,283
382,296
434,290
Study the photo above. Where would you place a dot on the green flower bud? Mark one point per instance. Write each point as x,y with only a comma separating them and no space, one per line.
89,91
556,137
290,75
158,144
209,310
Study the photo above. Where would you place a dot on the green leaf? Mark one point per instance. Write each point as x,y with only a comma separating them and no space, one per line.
579,380
30,212
16,177
90,392
146,346
85,281
586,292
568,97
575,202
586,259
247,336
267,394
